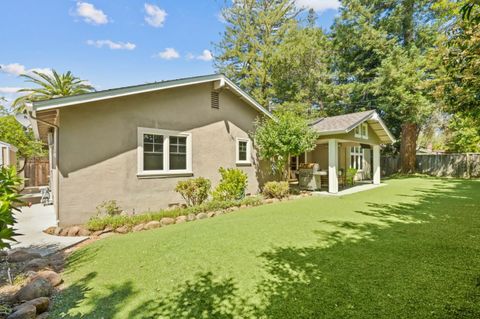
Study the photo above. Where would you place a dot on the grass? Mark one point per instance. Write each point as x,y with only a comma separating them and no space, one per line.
410,249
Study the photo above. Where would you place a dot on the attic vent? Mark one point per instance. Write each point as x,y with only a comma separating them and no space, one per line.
215,100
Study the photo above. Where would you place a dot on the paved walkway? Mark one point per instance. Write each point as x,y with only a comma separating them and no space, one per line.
351,190
30,224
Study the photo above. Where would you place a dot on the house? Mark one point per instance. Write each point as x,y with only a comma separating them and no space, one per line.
133,144
8,154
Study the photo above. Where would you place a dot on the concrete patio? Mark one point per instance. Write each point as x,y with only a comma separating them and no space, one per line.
359,187
30,224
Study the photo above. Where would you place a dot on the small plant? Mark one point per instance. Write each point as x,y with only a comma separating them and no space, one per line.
350,176
276,190
232,185
109,207
9,202
195,190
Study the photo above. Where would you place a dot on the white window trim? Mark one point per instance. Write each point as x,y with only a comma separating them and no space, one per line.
361,153
237,150
166,152
360,129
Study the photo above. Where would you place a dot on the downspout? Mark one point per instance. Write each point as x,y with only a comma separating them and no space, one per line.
32,115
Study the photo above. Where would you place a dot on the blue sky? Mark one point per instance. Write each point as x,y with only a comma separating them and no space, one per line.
115,43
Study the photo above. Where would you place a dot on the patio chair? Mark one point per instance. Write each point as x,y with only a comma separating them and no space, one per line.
46,198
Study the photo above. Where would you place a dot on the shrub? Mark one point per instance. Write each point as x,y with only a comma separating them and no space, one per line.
276,190
350,176
109,207
9,202
194,191
232,185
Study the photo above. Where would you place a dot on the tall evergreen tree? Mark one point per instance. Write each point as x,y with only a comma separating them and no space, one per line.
254,30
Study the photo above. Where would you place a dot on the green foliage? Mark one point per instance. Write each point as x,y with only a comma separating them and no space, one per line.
195,190
350,176
9,201
109,207
276,190
115,221
287,135
23,139
232,185
464,134
50,86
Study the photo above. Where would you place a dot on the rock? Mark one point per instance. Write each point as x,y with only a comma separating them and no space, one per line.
219,213
38,287
201,216
21,256
58,231
73,231
50,230
211,214
43,316
153,224
53,278
107,229
139,227
36,264
83,232
122,230
64,231
31,274
165,221
234,208
41,304
3,253
269,201
97,233
243,206
181,219
191,217
24,311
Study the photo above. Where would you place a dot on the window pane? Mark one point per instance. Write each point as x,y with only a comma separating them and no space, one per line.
148,147
242,150
152,162
148,138
158,139
178,161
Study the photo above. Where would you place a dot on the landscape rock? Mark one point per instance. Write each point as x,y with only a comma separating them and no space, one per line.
42,316
3,253
107,229
191,217
153,224
38,287
50,230
31,274
53,278
139,227
219,213
180,219
41,304
58,231
22,256
165,221
201,216
84,232
64,231
36,264
25,311
211,214
73,231
234,208
122,230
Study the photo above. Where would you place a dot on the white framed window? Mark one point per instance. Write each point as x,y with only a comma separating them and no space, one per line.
361,131
163,152
356,157
243,148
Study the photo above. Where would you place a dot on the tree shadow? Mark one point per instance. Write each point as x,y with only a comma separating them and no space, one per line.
400,263
202,297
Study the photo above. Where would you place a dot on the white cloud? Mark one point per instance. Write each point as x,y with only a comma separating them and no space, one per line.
318,5
90,14
205,56
168,54
112,45
13,68
8,90
155,16
19,69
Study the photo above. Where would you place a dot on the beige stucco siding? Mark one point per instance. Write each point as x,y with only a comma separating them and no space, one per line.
98,148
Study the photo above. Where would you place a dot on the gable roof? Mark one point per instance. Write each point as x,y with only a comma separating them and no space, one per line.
61,102
342,124
10,146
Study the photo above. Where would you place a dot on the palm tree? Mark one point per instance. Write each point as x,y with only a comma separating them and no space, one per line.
50,86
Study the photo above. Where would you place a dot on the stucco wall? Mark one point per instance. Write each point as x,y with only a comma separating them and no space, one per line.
98,148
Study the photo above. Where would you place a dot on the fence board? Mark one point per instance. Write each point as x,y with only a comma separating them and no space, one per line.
37,172
464,165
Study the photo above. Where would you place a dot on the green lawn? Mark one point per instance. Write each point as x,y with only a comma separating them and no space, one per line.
410,249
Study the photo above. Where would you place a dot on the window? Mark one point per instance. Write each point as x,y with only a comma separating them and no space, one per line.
361,131
243,146
356,157
162,152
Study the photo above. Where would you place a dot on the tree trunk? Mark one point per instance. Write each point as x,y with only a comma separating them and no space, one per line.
408,148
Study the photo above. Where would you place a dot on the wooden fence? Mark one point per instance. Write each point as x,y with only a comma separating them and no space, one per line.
465,165
36,172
